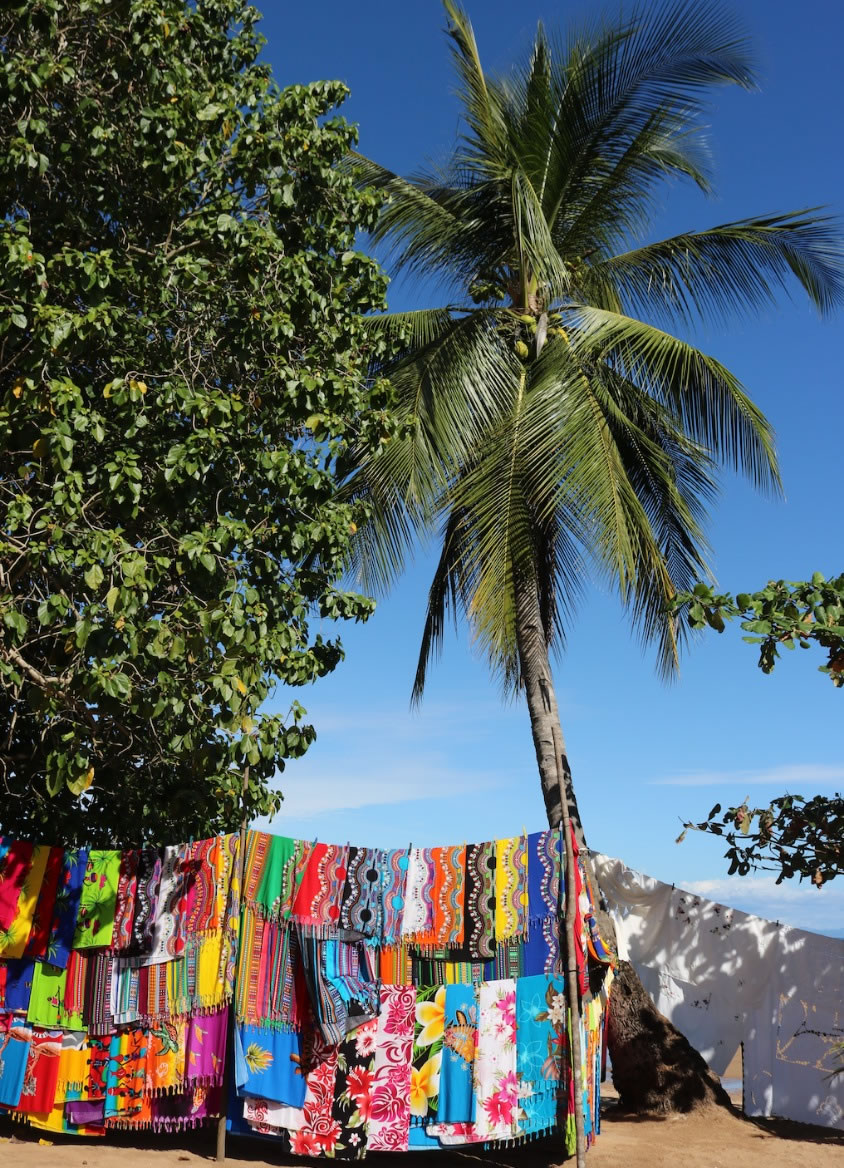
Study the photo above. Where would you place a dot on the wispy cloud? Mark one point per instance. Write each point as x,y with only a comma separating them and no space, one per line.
374,782
819,910
785,777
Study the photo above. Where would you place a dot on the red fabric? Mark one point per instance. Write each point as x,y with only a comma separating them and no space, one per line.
14,868
42,920
42,1072
580,944
309,885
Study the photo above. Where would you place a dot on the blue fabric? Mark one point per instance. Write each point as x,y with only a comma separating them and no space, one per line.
19,974
540,1041
457,1097
15,1038
541,952
63,927
268,1064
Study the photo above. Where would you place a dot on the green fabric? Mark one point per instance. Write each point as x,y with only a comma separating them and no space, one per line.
46,1002
95,918
274,893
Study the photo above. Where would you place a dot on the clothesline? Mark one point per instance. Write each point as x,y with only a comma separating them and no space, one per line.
381,998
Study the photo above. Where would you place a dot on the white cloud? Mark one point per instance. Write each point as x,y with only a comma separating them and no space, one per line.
374,782
785,777
819,910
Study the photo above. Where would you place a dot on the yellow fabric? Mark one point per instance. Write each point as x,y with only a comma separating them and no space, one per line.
209,986
13,943
510,874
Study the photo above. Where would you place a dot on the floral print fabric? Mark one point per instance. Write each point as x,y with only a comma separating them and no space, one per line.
496,1080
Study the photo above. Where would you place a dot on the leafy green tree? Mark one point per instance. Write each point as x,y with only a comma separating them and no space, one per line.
556,426
792,836
785,613
182,367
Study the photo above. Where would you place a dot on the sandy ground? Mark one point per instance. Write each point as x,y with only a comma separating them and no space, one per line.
717,1139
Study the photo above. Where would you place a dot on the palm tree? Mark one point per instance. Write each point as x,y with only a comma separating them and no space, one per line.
554,423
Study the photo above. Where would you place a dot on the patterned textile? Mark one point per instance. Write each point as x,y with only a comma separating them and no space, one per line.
360,903
95,919
15,864
47,1000
125,1073
541,1043
18,987
66,906
257,847
427,1053
77,976
353,1086
189,1108
165,1066
389,1110
13,940
269,1065
449,871
38,1092
15,1039
97,1069
319,1131
460,1037
393,884
418,921
96,1010
496,1081
326,875
205,1058
341,984
200,886
125,992
268,1117
42,919
274,894
511,892
147,884
480,900
168,934
542,948
124,912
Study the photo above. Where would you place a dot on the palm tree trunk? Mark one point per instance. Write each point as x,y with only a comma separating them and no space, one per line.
654,1067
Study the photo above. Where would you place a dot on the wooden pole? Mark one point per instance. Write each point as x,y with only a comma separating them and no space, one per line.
572,987
241,864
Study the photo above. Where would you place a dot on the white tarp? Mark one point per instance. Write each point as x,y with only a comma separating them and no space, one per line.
724,977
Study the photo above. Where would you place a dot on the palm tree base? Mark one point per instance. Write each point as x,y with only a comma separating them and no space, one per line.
655,1068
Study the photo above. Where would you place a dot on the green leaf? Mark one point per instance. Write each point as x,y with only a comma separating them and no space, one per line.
94,576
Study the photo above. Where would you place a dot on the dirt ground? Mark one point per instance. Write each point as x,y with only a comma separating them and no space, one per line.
718,1139
714,1139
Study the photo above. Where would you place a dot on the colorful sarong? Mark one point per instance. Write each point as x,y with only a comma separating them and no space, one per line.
42,919
428,1034
97,903
480,900
125,1074
13,940
353,1086
460,1036
66,906
205,1060
393,885
541,1042
496,1081
360,902
269,1065
389,1111
124,911
15,1040
511,891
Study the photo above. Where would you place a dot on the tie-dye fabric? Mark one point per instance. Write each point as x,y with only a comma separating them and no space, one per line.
13,940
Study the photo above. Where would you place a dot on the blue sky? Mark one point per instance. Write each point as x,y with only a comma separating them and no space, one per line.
644,754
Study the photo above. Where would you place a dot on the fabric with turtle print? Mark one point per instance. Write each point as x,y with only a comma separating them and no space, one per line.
460,1037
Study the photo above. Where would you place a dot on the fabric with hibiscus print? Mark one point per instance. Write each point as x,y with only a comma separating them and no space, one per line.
496,1080
389,1112
353,1086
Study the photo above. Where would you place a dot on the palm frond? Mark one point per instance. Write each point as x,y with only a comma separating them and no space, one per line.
707,399
734,266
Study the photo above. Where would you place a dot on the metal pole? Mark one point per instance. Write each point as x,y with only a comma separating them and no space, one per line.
241,863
